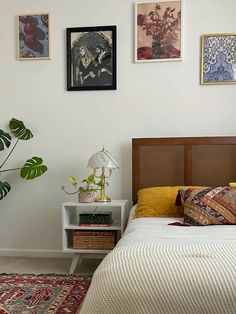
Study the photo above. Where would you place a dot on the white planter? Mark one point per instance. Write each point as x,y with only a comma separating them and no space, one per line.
86,197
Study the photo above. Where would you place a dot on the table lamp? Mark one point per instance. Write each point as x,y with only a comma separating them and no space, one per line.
105,161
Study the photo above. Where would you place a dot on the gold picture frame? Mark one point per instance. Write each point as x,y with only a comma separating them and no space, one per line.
218,59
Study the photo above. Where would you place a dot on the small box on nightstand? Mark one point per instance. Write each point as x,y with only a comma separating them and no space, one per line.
95,218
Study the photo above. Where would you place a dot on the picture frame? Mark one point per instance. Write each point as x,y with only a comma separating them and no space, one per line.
159,31
33,36
218,59
91,58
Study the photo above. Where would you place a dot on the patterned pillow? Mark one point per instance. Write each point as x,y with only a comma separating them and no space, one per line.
209,206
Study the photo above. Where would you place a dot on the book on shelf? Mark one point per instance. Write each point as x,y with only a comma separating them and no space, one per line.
93,225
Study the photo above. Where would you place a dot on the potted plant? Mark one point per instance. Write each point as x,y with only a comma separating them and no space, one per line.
32,168
86,191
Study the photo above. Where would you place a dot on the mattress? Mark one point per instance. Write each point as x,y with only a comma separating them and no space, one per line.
157,268
158,230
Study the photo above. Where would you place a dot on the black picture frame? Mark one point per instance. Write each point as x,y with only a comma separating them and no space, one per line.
91,58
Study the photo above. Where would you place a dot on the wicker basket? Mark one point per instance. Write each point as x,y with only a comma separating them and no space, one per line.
94,240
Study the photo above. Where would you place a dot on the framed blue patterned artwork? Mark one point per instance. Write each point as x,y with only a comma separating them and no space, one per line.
218,59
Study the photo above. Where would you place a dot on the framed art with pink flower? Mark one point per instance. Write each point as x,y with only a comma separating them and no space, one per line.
33,36
158,31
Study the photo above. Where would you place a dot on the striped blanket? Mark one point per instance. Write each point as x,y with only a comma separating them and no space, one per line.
165,278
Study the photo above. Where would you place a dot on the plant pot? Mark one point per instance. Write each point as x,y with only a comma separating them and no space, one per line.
86,197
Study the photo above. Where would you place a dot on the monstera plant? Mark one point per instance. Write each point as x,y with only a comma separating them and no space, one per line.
32,168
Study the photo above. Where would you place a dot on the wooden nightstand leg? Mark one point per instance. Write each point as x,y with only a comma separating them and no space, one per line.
76,259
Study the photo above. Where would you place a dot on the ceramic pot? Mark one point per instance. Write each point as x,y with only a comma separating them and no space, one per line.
86,197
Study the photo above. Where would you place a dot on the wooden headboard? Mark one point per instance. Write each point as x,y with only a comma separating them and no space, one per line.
207,161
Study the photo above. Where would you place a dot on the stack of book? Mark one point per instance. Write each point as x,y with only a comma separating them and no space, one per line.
95,219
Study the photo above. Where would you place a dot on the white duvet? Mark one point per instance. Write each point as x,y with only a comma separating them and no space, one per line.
157,268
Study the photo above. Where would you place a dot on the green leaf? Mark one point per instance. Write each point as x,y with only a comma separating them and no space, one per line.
5,140
81,190
4,189
91,178
84,181
33,168
73,180
19,130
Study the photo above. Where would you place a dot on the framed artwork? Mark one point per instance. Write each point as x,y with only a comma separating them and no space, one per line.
91,58
158,31
33,37
218,59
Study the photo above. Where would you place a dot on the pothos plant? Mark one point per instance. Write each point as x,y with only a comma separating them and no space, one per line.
32,168
89,185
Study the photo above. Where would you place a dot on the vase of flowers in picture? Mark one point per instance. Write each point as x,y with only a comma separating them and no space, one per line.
158,27
87,191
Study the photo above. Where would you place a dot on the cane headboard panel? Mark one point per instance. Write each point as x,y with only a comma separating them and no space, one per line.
207,161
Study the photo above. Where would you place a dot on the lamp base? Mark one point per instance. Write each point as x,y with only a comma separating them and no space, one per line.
102,198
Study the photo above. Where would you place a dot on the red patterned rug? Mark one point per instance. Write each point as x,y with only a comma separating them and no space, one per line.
41,294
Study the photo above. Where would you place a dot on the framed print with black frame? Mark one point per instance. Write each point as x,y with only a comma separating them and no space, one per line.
91,58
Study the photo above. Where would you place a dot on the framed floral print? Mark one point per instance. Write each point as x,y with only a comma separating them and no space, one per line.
33,37
91,58
218,59
158,31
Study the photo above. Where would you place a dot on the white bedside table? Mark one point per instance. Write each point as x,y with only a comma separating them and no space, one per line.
70,223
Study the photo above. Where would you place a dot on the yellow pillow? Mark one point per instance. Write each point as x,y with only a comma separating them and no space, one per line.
159,202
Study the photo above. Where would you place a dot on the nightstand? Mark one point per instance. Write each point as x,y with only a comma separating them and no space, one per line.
70,223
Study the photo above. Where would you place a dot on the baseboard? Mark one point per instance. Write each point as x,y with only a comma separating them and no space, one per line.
34,253
44,254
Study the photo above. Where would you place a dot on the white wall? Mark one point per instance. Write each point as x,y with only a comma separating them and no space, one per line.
152,100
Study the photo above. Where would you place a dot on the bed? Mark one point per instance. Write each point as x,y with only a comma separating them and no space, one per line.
161,266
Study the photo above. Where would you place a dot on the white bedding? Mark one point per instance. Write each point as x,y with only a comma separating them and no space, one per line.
157,229
161,269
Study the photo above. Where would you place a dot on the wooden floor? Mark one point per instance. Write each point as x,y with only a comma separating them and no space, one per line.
45,265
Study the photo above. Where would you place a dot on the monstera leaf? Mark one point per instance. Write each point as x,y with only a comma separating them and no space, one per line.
4,189
33,168
5,140
19,130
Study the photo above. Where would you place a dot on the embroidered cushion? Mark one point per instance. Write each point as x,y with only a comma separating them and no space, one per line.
209,206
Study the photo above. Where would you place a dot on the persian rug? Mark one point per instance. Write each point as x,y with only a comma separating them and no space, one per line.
42,294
